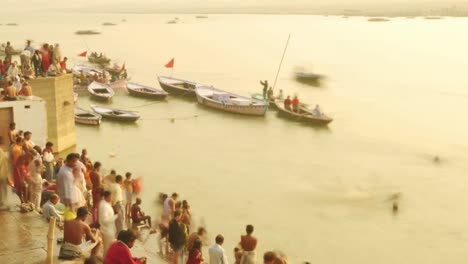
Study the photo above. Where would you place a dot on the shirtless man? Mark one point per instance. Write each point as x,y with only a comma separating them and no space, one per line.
73,233
12,133
137,215
248,244
128,189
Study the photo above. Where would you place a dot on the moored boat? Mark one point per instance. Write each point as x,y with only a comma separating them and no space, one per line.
140,90
222,100
305,115
116,114
177,86
86,117
100,91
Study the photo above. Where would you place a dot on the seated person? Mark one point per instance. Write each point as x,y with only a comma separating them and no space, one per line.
295,104
137,215
73,233
119,251
54,70
49,210
25,90
10,92
287,103
317,111
27,71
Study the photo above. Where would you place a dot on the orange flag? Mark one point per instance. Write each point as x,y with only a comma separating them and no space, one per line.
170,64
83,54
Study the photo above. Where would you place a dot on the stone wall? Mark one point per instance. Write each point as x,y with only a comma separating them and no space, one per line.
57,92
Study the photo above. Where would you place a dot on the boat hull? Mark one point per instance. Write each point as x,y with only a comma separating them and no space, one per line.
116,114
255,110
180,88
147,95
305,118
85,117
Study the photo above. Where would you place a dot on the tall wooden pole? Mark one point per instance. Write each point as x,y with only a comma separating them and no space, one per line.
50,241
279,68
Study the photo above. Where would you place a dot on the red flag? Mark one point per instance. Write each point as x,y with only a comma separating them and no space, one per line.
170,64
83,54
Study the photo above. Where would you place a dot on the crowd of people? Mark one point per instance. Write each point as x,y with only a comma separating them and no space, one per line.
14,76
101,215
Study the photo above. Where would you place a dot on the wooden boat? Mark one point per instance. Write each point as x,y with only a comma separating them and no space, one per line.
305,115
177,87
116,114
99,60
307,76
87,32
100,91
259,96
140,90
86,117
229,102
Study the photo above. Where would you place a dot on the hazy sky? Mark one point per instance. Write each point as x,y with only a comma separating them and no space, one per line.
133,5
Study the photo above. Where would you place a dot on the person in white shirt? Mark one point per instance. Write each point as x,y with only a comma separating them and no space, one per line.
49,210
216,252
107,221
27,140
317,111
118,203
66,182
36,184
169,204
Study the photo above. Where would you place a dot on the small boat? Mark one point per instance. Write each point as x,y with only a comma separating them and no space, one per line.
87,32
177,87
140,90
100,91
229,102
378,19
99,60
259,96
307,76
116,114
86,117
305,115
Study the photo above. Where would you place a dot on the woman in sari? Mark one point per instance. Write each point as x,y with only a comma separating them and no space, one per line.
45,57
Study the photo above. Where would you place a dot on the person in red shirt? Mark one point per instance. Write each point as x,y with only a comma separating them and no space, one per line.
295,104
287,103
195,254
137,215
63,65
119,251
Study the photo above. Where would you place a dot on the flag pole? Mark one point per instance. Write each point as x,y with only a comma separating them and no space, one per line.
172,72
279,68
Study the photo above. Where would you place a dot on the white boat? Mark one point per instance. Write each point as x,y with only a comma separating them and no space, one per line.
86,117
229,102
100,91
116,114
145,91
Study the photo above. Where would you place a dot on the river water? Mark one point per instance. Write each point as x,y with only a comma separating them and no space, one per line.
396,90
